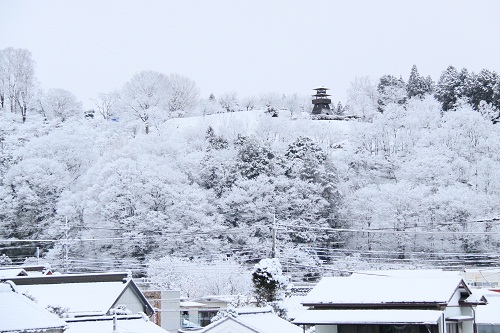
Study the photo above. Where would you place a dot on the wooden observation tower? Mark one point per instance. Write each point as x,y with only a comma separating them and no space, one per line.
321,101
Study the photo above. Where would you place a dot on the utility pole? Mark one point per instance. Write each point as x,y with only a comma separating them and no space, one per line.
66,245
273,251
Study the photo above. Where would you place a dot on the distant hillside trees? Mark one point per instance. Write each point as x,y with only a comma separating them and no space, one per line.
401,189
152,97
200,277
391,90
183,95
229,101
17,80
481,91
474,89
363,98
145,97
106,104
415,175
251,182
60,104
32,189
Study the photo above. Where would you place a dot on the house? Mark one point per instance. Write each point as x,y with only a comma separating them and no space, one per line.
251,320
80,295
20,314
483,278
167,308
200,311
375,302
488,316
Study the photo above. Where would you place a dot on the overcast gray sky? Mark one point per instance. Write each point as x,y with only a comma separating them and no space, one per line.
285,46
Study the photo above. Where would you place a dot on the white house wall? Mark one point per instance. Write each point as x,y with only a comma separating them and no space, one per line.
131,301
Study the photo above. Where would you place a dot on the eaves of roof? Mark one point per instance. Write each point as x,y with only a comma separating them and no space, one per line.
68,278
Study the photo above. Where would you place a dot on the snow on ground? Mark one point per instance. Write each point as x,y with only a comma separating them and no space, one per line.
262,125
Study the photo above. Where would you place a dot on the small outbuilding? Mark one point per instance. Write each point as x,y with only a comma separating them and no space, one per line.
251,320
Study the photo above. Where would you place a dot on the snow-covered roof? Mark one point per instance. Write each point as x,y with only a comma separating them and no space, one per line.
218,298
334,317
293,305
190,304
266,322
12,272
18,313
380,291
128,324
27,270
82,294
90,298
406,273
489,313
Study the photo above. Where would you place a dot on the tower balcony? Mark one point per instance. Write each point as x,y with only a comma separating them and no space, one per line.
322,101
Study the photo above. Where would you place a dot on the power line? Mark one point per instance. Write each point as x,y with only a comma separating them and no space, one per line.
389,231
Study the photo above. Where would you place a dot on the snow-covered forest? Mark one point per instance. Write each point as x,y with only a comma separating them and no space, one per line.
155,174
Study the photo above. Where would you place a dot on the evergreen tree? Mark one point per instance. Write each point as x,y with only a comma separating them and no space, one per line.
214,141
447,88
465,85
417,85
253,158
304,157
430,84
269,284
217,171
339,110
484,88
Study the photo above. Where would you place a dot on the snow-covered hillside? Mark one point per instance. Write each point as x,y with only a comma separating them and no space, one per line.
411,186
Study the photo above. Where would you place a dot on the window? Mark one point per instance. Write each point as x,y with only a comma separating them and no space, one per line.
388,329
205,317
452,327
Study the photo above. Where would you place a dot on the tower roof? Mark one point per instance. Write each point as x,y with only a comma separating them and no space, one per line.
321,88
